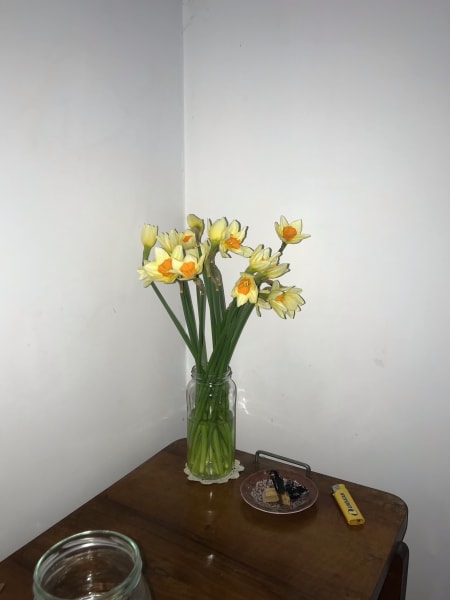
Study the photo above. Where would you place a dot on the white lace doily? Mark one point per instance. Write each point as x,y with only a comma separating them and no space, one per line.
234,474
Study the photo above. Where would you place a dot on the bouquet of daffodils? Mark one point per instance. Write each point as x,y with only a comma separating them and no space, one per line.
188,259
184,258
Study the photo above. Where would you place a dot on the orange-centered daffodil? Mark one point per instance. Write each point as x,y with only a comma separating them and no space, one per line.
290,233
285,301
188,266
161,268
231,241
245,290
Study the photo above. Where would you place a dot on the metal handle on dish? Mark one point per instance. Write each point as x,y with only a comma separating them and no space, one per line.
298,463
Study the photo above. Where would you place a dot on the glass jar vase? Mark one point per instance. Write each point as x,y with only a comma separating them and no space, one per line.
211,425
100,565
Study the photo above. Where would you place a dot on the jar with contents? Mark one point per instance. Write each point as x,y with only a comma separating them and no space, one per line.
100,565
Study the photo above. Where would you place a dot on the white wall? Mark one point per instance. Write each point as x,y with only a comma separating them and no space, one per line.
337,112
91,146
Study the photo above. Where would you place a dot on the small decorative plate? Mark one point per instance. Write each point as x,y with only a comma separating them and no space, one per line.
252,489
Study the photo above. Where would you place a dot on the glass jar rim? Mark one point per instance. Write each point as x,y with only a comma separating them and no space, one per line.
88,540
204,377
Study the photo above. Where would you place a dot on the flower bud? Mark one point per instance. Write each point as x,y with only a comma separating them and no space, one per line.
148,235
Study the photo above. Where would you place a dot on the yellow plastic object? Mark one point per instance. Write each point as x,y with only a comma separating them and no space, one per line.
347,505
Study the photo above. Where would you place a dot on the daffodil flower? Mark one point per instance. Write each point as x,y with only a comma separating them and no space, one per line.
169,241
290,233
231,241
190,266
276,270
144,276
245,290
285,301
188,239
261,261
262,301
161,269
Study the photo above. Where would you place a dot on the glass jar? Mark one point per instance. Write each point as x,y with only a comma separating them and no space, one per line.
211,425
100,565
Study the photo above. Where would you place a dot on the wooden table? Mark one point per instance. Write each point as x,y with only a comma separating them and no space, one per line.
204,542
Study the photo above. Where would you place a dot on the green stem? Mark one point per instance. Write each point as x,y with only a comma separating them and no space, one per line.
174,319
202,358
231,329
214,293
189,316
